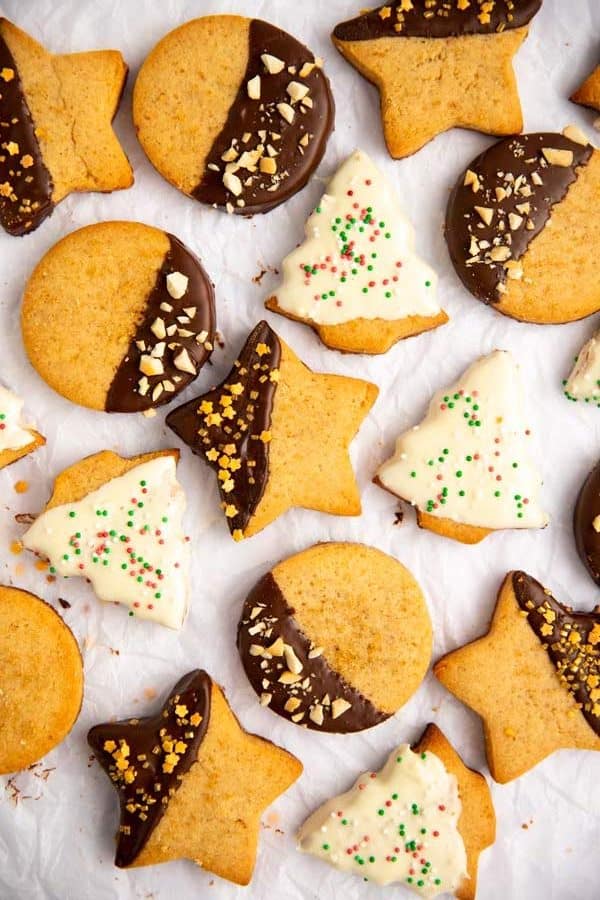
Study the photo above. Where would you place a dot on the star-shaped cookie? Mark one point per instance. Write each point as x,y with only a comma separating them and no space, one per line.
440,65
192,783
277,435
588,94
534,678
55,134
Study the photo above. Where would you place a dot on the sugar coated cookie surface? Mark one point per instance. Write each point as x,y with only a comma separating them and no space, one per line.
468,466
586,523
356,278
589,92
191,783
234,112
496,227
584,381
41,679
16,438
118,523
533,678
119,316
425,57
55,134
277,435
314,637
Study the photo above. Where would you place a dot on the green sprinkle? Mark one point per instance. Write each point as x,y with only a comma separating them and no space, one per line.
381,812
461,493
413,474
427,284
496,493
65,555
459,474
72,514
123,565
325,846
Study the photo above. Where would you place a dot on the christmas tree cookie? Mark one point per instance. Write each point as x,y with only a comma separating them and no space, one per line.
421,822
118,523
584,381
468,468
356,278
16,438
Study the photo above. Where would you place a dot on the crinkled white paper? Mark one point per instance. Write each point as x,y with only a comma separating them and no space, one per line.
56,838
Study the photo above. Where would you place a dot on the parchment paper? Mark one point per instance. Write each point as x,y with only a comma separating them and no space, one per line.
57,821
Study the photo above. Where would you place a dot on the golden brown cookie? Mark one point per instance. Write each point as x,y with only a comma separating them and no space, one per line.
233,111
533,678
589,92
335,638
55,134
498,227
277,434
468,468
16,438
192,783
421,821
356,279
119,316
41,679
118,523
439,65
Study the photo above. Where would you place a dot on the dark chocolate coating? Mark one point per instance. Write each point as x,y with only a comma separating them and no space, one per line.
571,640
235,440
124,395
25,189
147,794
295,164
437,19
587,509
278,619
517,157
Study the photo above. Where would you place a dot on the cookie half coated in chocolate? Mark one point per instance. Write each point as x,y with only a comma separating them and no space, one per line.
119,316
234,112
497,227
586,523
336,638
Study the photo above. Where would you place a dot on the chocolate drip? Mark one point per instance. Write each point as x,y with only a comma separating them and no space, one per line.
528,188
25,182
437,19
197,338
266,618
295,162
146,759
587,510
571,640
229,426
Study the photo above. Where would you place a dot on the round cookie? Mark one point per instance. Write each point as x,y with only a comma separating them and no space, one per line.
496,228
41,679
336,638
118,316
586,523
233,111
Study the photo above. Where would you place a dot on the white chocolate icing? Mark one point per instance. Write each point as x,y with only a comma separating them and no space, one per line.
396,826
469,459
13,433
584,381
363,269
127,538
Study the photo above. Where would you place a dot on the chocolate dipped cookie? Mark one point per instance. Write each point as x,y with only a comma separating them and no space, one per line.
586,523
234,112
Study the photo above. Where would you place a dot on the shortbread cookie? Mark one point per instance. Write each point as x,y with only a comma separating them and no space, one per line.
439,65
468,467
277,435
191,782
118,523
119,316
496,227
234,112
586,523
314,637
16,438
55,134
41,679
533,678
421,822
356,279
584,381
589,92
